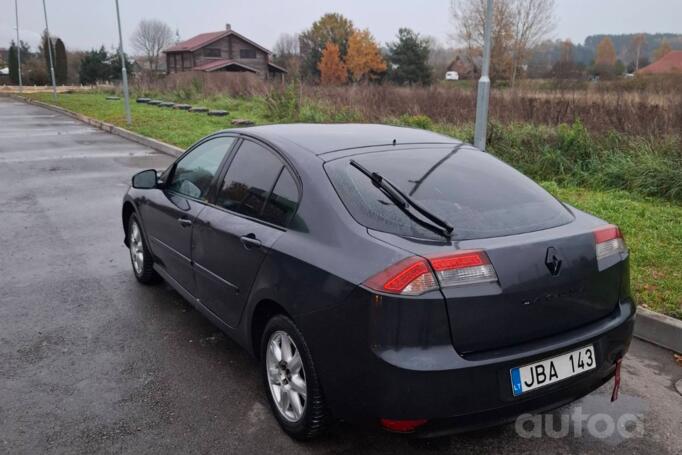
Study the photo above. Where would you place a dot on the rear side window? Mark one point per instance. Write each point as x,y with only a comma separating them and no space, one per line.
283,200
476,193
258,184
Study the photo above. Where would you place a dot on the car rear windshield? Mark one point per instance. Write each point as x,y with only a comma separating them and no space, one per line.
476,193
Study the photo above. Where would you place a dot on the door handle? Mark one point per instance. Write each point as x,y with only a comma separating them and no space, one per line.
250,241
185,222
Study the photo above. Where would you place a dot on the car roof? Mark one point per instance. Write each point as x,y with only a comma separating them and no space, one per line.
321,138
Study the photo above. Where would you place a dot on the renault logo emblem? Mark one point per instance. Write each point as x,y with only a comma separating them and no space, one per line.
553,261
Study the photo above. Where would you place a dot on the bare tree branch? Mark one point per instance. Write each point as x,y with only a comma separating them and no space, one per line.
518,26
150,38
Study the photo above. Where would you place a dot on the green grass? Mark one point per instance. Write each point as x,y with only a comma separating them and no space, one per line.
173,126
651,226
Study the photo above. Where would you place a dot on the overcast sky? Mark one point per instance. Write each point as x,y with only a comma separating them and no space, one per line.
84,24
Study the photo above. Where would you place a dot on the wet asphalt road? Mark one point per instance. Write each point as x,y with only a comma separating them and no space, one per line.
92,362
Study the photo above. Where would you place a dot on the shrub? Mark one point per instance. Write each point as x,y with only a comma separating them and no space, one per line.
417,121
283,104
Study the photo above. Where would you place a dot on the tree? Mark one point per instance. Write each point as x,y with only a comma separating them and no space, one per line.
533,20
605,59
566,67
663,49
636,45
114,63
332,69
469,17
518,27
94,67
606,53
43,49
286,53
13,64
409,57
331,27
150,37
60,64
442,59
363,57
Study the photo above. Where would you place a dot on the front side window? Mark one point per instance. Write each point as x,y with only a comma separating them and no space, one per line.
257,184
194,172
211,52
247,53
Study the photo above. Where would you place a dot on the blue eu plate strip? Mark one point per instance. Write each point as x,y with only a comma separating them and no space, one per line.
516,382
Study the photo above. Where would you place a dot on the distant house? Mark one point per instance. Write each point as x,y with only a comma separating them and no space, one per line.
4,76
221,51
669,63
141,64
463,67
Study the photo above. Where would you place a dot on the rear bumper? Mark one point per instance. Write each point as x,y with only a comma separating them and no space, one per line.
365,377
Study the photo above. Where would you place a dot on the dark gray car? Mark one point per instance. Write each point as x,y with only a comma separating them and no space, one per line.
386,276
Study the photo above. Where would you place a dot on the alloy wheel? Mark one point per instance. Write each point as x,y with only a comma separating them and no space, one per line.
286,376
136,248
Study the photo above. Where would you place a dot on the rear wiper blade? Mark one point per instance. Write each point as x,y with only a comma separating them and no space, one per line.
404,202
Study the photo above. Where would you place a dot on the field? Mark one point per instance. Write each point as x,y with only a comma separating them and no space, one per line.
630,175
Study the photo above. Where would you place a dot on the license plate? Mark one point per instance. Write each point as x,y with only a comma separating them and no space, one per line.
546,372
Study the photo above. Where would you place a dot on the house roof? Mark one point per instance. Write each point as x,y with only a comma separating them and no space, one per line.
204,39
669,63
277,67
220,63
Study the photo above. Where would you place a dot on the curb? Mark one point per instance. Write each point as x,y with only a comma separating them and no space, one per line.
659,329
159,146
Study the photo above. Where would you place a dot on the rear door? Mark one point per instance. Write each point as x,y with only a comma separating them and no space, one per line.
253,204
168,215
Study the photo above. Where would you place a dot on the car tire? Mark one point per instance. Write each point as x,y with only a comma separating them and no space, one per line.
140,256
311,421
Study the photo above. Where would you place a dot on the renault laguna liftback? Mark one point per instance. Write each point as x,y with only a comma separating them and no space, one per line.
386,276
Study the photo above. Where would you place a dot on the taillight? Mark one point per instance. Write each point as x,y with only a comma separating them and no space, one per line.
465,267
415,275
609,241
411,276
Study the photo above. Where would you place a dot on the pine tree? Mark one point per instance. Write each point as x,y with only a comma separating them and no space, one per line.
409,57
44,50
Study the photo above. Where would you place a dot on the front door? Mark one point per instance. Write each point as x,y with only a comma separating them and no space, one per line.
169,214
252,207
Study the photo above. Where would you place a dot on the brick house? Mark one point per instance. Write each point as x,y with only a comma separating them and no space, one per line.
221,51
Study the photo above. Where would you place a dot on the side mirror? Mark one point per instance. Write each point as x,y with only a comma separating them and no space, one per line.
145,180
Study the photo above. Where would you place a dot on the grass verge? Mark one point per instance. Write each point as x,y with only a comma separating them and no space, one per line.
173,126
651,225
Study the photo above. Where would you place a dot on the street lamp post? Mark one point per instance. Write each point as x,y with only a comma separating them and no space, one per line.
484,83
124,72
49,52
16,14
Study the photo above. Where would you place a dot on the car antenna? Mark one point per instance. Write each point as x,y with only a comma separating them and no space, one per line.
394,142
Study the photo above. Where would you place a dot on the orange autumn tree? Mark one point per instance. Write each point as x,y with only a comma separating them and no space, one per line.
363,56
332,69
